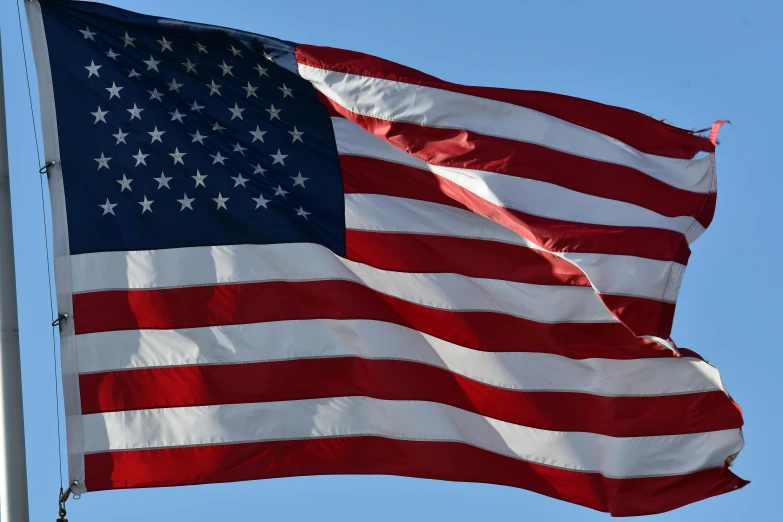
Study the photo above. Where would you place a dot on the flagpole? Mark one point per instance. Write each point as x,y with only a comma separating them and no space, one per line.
13,466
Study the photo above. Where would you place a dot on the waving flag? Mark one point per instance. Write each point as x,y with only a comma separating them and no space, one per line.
282,259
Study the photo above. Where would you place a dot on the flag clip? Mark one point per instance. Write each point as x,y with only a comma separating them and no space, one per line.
60,319
64,495
45,168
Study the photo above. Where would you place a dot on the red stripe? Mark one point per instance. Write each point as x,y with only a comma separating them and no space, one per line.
375,455
171,387
641,314
329,104
470,257
201,306
637,130
495,260
374,176
707,212
468,150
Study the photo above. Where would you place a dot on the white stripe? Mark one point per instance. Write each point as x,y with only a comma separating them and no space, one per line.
408,420
403,102
629,275
525,195
379,213
320,338
309,262
609,274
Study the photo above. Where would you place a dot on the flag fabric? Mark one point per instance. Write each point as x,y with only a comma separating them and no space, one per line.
282,259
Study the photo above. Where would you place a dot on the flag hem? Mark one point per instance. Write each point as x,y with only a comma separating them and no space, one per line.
68,352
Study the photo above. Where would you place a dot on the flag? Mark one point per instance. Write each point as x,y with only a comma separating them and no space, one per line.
282,259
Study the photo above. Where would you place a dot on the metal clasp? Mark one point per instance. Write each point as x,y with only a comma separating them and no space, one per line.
56,322
45,168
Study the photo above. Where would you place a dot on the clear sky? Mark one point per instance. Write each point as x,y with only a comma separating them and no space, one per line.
691,62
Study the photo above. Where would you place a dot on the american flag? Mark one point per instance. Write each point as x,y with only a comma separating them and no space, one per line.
283,259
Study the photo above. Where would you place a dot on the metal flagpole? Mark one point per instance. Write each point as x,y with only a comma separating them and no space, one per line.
13,467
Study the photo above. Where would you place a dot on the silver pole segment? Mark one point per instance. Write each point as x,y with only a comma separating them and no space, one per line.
13,466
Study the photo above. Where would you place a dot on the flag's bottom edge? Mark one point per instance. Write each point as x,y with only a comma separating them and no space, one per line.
381,456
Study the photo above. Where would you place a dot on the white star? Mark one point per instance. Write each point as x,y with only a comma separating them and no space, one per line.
287,91
140,159
93,69
218,128
127,40
165,45
99,115
114,90
125,183
163,181
111,54
133,74
103,161
279,158
268,56
186,201
174,86
273,113
191,67
259,169
88,35
239,180
156,134
196,107
197,137
235,52
299,180
239,148
251,91
261,71
155,95
177,116
260,201
258,134
199,179
280,191
221,201
201,48
108,208
236,112
226,68
152,64
214,88
146,205
302,212
135,112
218,158
177,155
120,136
296,134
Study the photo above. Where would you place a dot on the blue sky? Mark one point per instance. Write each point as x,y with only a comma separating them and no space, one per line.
689,62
